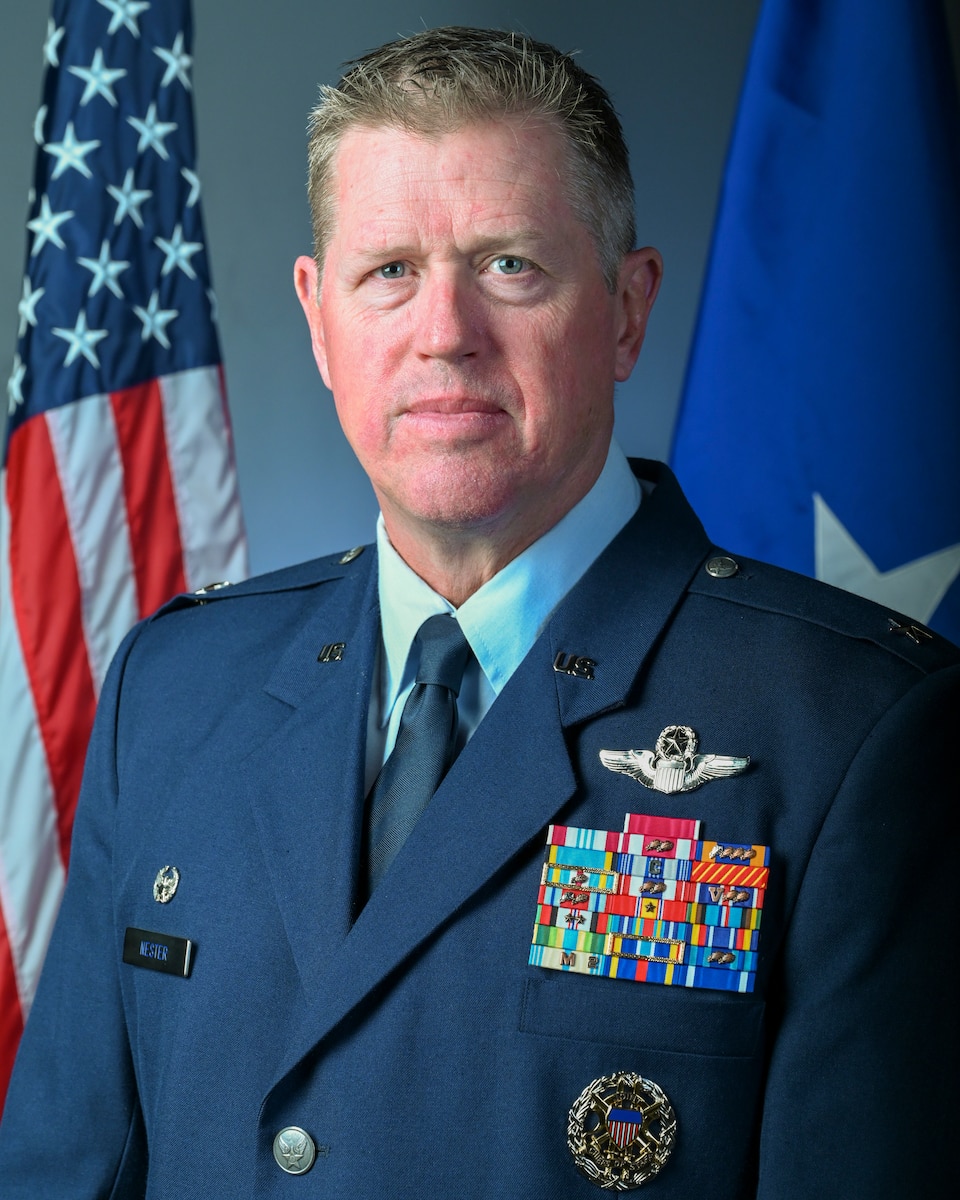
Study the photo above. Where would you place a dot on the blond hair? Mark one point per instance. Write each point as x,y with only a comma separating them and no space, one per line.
439,80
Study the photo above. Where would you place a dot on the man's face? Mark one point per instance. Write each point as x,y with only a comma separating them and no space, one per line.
465,329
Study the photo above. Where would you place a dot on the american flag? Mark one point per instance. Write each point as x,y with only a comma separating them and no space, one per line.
118,483
624,1126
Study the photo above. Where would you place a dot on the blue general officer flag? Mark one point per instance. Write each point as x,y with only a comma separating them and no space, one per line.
820,422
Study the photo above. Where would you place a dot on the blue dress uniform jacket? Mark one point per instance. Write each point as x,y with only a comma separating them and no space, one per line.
415,1044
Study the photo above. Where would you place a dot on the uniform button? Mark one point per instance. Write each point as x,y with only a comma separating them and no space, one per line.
722,567
295,1150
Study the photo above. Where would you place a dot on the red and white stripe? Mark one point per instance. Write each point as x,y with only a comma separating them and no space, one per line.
109,506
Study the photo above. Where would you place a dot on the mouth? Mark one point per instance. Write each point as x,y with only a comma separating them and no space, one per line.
453,418
452,406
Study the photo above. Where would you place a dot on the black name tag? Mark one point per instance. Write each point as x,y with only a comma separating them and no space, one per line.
157,951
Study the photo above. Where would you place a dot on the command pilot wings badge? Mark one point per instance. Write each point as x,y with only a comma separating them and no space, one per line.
674,764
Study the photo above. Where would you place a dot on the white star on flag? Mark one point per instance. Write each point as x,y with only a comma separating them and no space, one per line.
155,320
128,200
99,79
70,153
105,271
27,308
82,341
38,123
152,132
46,226
51,45
15,384
178,63
915,588
125,12
178,253
194,180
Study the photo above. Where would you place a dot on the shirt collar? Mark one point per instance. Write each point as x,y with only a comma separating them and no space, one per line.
528,588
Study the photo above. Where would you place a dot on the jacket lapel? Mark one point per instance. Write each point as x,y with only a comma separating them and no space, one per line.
304,781
618,611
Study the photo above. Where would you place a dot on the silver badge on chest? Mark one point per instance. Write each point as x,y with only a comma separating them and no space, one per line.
674,764
165,885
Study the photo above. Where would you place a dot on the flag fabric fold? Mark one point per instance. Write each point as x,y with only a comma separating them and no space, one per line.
820,423
118,485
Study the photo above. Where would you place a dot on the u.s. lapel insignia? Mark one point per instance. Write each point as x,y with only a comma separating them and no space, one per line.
621,1130
165,885
652,904
577,665
674,764
331,652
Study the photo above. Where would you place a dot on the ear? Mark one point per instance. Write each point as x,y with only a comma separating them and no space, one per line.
637,289
308,293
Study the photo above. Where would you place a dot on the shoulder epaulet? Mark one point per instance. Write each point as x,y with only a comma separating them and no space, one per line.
773,589
287,579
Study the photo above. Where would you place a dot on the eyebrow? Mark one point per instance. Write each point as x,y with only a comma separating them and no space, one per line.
521,239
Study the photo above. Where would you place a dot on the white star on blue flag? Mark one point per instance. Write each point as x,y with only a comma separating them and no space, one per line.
71,153
125,12
194,180
155,320
38,123
152,131
15,385
105,271
82,340
178,253
178,63
51,47
46,226
128,200
27,308
99,79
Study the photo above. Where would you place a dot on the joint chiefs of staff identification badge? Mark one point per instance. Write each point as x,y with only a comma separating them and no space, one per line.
674,764
165,885
621,1131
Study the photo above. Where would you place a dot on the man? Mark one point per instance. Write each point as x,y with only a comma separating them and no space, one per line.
275,974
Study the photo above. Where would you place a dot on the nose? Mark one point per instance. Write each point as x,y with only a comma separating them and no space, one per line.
449,321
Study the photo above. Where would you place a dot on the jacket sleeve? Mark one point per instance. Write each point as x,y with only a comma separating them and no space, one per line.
72,1125
861,1083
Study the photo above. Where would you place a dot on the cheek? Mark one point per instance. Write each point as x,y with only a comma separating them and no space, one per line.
354,398
575,366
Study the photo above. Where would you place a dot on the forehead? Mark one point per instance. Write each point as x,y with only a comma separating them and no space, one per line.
516,130
483,173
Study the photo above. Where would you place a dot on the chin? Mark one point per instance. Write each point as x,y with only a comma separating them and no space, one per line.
458,496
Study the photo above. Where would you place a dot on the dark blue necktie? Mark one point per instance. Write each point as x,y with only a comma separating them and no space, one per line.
426,744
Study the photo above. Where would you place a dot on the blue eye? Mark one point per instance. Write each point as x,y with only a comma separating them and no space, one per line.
508,264
392,270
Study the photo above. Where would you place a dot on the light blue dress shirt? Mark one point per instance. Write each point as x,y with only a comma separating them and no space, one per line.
502,619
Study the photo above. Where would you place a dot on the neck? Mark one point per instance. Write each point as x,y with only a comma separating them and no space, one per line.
455,564
457,560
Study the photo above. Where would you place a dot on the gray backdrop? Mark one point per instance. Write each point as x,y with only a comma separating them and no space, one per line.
673,68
